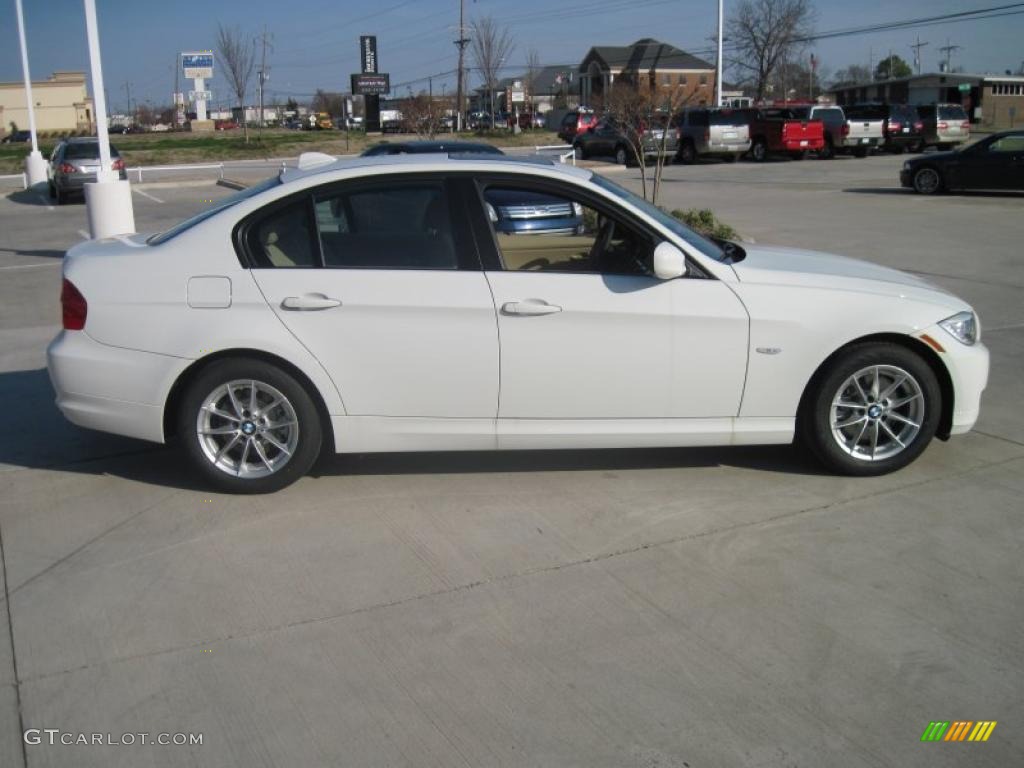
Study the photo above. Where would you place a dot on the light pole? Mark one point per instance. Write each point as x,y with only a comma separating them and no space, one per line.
718,73
108,200
35,166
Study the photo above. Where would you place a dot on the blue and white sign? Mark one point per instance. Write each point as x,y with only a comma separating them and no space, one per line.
197,65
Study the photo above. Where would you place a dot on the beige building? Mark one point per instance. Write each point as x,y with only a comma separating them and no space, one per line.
62,104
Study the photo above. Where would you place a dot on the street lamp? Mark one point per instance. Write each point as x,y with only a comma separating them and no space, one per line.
718,73
35,166
108,200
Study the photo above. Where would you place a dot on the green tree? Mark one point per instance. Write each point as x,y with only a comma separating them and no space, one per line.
892,66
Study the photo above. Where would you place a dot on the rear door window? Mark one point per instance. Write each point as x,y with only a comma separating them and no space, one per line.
727,117
952,113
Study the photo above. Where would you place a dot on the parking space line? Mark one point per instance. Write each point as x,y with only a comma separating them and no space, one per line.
144,193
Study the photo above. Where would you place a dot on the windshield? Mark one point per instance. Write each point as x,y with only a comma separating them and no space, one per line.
224,204
667,220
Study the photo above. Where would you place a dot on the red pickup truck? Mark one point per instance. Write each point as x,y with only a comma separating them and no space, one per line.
778,130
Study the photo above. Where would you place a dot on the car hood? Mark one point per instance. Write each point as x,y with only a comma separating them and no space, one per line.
815,269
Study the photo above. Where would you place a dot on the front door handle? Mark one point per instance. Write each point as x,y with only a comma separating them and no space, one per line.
529,307
310,301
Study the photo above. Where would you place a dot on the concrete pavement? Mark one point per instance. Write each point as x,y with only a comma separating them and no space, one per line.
607,608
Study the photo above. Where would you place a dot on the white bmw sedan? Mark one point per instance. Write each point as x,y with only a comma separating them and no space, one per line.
477,303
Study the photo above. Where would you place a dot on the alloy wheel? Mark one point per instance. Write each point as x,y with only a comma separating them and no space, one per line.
927,181
247,428
877,413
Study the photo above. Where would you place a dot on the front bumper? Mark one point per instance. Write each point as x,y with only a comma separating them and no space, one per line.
968,369
907,178
110,389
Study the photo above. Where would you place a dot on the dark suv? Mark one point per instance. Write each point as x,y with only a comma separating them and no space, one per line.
575,122
902,127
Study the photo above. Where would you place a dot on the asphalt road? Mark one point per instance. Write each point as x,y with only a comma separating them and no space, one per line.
632,609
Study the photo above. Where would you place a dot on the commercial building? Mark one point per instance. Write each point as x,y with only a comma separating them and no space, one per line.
649,61
992,101
62,104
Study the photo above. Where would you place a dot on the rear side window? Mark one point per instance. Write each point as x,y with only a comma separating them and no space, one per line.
908,114
284,238
952,112
831,116
407,226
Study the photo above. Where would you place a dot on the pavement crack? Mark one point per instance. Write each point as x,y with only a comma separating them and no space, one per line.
472,585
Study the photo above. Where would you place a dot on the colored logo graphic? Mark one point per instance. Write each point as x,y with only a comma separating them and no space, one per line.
958,730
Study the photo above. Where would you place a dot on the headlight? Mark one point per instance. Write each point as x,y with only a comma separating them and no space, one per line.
906,165
963,327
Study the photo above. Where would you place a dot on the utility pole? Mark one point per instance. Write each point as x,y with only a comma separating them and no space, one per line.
917,53
128,92
718,72
261,78
948,50
461,45
174,98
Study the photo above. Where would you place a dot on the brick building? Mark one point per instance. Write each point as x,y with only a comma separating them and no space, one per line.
649,61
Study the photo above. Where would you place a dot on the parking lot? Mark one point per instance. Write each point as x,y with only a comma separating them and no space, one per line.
670,608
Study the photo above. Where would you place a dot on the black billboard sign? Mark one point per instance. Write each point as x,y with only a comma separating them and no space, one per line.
371,84
368,53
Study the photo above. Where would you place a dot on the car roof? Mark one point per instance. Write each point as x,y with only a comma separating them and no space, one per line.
428,147
314,163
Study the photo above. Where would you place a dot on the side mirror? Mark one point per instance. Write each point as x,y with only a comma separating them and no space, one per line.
669,262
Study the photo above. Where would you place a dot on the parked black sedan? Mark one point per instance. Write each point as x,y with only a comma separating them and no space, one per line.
995,163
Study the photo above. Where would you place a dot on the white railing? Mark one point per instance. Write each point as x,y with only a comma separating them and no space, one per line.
560,148
19,176
219,167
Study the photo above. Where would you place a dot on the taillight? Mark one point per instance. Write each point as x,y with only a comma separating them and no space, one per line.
707,135
918,126
73,306
119,164
965,125
67,168
679,134
845,129
894,127
943,126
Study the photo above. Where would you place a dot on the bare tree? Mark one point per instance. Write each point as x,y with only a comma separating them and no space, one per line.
765,33
237,56
491,47
424,115
645,115
533,68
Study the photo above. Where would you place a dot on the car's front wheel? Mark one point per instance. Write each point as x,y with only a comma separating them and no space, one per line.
621,156
872,411
927,181
248,426
759,151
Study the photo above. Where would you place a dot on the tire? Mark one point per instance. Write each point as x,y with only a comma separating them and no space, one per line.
827,152
578,152
62,196
687,153
52,189
759,152
871,436
927,181
621,156
222,457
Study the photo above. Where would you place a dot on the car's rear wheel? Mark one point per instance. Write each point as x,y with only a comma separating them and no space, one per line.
827,152
578,152
927,181
248,426
687,153
51,189
872,411
621,155
759,151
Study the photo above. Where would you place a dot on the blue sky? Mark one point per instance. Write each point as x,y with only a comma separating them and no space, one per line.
315,42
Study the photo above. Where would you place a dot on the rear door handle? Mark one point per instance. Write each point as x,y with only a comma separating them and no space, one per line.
529,307
310,301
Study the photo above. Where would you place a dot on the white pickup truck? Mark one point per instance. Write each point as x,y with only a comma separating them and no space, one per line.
856,130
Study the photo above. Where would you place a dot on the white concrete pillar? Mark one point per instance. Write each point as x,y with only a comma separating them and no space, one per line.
108,201
35,165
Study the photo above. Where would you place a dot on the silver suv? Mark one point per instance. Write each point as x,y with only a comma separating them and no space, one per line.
945,125
714,132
